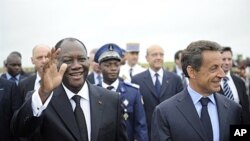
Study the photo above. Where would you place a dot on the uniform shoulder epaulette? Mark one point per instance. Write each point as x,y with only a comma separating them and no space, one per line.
132,85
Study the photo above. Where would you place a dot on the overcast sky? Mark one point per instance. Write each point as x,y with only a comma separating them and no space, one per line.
173,24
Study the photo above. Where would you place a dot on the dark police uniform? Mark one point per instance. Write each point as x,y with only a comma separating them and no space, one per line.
131,99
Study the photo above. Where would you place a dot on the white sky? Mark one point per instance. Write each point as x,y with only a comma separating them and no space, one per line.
173,24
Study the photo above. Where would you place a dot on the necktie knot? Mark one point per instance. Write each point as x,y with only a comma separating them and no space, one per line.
204,101
156,75
13,78
77,99
225,78
110,87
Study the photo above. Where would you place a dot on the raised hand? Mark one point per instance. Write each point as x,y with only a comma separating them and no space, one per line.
51,76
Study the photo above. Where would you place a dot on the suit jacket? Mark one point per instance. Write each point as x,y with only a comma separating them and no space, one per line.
9,102
177,119
243,97
171,85
57,122
27,85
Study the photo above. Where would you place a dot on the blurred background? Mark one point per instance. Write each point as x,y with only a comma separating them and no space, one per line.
173,24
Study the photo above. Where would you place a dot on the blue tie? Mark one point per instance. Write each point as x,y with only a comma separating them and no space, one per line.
205,119
157,84
227,91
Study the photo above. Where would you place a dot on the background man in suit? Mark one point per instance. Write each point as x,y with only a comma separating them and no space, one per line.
109,57
155,89
236,85
181,118
178,67
66,108
9,102
95,76
38,59
13,66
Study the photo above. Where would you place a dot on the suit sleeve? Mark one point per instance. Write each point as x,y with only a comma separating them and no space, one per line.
161,131
23,122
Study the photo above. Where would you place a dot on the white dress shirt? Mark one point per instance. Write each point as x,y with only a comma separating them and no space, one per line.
232,86
38,107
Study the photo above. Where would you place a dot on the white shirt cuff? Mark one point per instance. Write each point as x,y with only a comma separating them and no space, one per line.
37,106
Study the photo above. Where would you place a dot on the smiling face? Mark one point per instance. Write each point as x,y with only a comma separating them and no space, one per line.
74,54
207,79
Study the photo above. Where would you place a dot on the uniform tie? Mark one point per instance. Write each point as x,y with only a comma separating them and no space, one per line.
227,91
110,87
157,84
205,119
131,72
80,118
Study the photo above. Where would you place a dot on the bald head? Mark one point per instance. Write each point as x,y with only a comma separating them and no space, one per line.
155,56
40,47
39,56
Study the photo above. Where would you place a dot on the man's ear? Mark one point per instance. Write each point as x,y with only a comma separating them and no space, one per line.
191,72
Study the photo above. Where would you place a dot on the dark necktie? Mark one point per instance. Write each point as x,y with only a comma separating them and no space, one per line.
13,79
205,119
157,84
227,91
110,87
131,72
80,118
99,78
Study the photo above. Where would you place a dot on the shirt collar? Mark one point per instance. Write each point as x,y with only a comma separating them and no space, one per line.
84,92
9,76
114,84
195,96
152,73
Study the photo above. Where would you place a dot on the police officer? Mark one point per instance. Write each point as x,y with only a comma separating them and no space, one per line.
131,67
109,57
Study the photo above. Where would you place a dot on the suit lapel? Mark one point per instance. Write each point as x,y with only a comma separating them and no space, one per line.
149,83
223,108
165,83
186,107
63,108
96,109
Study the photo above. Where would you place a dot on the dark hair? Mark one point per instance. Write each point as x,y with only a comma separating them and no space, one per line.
58,44
176,55
17,53
192,55
225,48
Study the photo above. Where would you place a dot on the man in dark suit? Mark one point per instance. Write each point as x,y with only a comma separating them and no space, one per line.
198,113
66,107
236,84
95,77
38,59
109,57
168,82
9,102
14,69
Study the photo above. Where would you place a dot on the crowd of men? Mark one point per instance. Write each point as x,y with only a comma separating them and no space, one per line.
105,95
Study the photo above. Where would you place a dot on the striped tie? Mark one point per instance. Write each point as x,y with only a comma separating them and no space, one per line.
227,91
